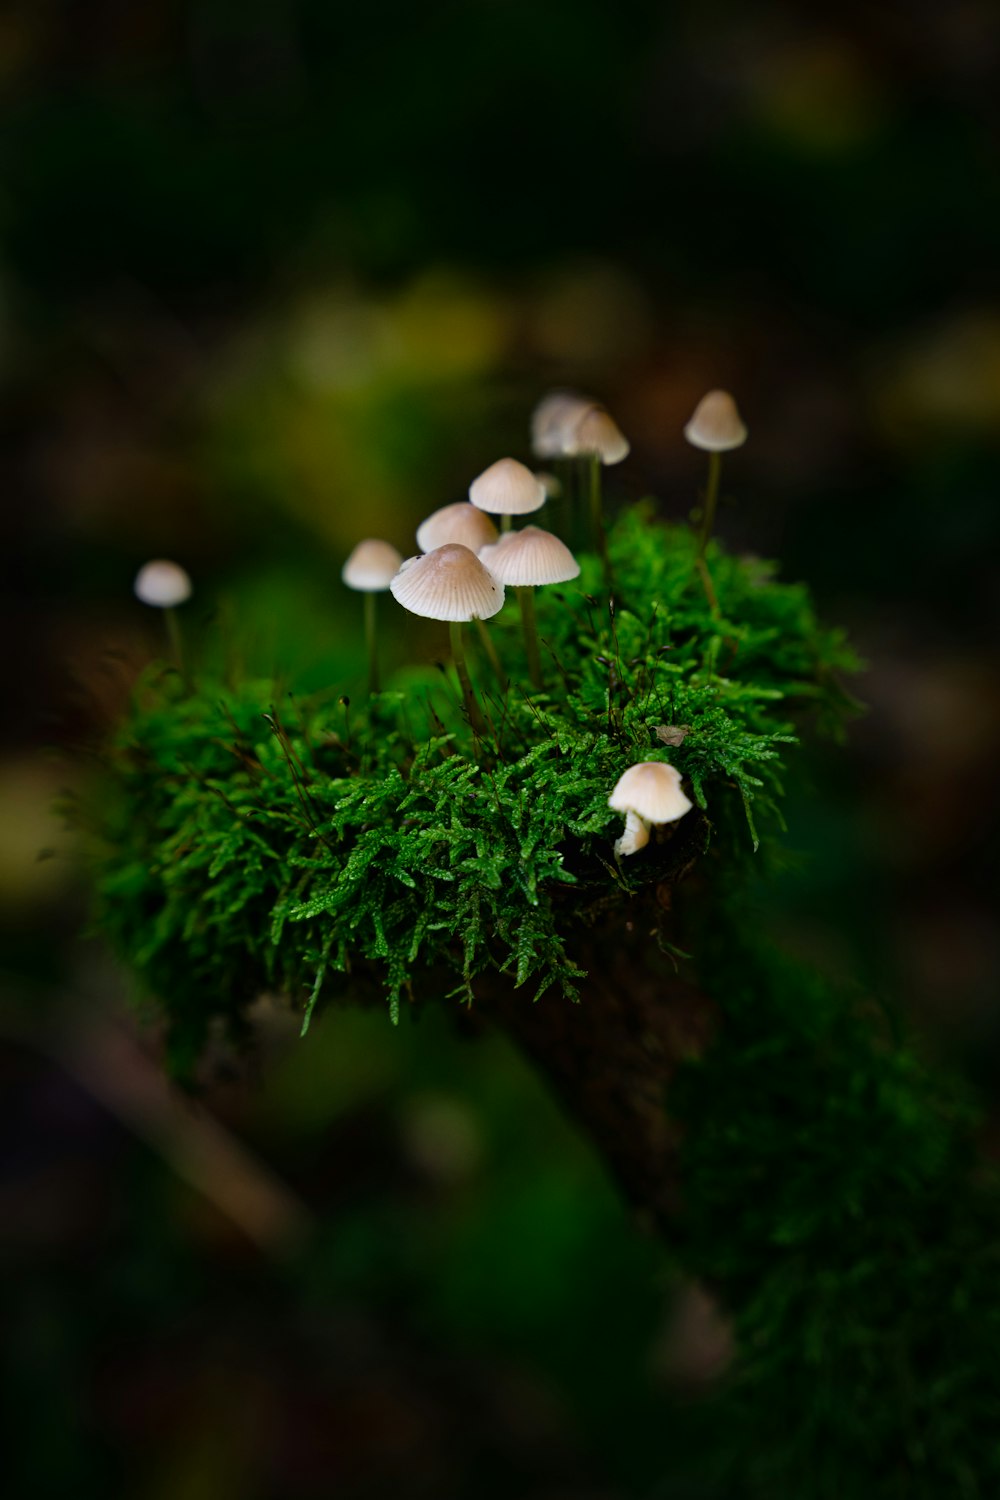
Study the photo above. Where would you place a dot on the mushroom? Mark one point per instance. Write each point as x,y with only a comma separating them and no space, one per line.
507,488
460,522
163,585
597,438
552,421
716,427
451,584
598,435
526,560
647,793
369,570
463,523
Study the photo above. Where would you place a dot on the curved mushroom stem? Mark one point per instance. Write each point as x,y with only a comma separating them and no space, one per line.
526,599
635,837
711,500
597,516
458,655
371,641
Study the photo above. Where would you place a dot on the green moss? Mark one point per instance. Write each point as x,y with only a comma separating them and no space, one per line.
836,1202
252,840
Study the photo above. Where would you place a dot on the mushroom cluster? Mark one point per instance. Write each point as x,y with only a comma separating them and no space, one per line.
465,565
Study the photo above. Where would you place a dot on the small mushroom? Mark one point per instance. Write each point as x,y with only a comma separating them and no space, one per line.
461,522
553,420
597,435
716,427
525,560
451,584
369,570
647,793
598,440
163,585
507,488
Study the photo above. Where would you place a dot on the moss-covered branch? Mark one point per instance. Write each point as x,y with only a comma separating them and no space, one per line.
789,1148
253,840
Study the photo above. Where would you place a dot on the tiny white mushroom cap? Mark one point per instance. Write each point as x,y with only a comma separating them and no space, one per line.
530,558
460,522
716,425
553,419
162,584
598,432
449,583
653,790
371,567
550,483
507,488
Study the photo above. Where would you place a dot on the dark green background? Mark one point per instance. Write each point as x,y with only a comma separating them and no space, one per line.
274,275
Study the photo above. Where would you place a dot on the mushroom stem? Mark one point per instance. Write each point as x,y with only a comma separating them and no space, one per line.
635,836
597,515
174,638
458,656
711,500
526,599
371,641
486,641
505,523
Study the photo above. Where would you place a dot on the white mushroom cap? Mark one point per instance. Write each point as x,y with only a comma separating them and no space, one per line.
372,566
507,488
460,522
162,584
449,583
553,419
653,790
529,558
598,432
716,425
550,483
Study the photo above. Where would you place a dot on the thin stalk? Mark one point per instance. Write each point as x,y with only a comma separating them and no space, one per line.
458,656
597,516
711,501
174,639
486,641
371,641
526,599
576,526
505,523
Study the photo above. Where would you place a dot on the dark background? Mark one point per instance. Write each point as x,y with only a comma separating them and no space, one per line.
277,275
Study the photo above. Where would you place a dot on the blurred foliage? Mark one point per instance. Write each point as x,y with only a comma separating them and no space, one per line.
837,1197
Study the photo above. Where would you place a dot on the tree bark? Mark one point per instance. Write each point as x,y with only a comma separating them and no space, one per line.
610,1057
